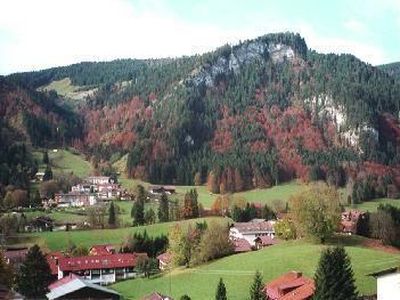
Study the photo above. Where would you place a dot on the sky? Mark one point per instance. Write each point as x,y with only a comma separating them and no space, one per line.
38,34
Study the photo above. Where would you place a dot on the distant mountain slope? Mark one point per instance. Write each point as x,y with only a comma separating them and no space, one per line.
392,69
252,114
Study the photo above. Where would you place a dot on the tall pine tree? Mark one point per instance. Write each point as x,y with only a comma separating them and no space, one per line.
334,278
34,275
221,291
138,207
111,215
256,289
163,210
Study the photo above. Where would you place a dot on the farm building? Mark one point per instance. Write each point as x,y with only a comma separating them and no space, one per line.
349,221
99,180
251,230
157,296
75,287
103,269
164,259
159,189
74,199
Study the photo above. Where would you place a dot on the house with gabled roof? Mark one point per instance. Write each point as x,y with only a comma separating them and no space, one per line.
252,230
290,286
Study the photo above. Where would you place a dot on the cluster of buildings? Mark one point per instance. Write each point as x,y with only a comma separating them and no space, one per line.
90,192
255,234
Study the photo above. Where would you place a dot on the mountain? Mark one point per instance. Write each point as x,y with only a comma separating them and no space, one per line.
392,69
249,115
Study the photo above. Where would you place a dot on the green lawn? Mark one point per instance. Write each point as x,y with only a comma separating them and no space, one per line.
373,204
264,196
237,271
59,240
65,161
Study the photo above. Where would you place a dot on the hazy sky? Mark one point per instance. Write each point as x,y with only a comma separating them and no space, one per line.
37,34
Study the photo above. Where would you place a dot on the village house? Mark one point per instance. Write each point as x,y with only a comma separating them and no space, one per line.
241,245
102,269
99,180
39,176
106,249
83,188
164,260
75,287
74,199
250,231
159,189
388,284
290,286
349,221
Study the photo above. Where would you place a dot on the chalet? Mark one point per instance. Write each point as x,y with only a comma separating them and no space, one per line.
75,287
290,286
251,230
74,199
349,221
83,188
164,260
157,296
159,189
103,269
99,180
388,284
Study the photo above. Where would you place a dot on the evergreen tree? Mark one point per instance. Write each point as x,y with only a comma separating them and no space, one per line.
138,207
34,276
185,297
221,291
256,289
194,203
334,278
48,174
111,215
150,216
45,158
163,210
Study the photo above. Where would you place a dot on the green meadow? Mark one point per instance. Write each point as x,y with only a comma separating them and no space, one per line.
238,270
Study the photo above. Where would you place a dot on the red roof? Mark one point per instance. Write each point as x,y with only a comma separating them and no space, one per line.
290,286
241,245
52,259
156,296
99,262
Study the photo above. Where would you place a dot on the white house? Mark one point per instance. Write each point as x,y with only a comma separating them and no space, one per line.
98,179
250,231
388,284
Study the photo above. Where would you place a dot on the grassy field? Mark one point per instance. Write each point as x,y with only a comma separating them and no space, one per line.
65,161
373,204
264,196
64,87
237,271
59,240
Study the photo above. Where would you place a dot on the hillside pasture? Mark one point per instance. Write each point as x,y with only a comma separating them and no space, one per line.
238,270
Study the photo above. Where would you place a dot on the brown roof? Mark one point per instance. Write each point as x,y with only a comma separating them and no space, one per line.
241,245
165,257
290,286
254,226
266,240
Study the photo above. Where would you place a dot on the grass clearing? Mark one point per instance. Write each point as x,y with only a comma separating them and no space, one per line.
372,205
59,240
238,270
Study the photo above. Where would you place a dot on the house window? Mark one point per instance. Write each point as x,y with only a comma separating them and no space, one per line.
130,270
107,271
95,274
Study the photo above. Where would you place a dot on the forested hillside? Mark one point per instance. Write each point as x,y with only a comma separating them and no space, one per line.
250,115
392,69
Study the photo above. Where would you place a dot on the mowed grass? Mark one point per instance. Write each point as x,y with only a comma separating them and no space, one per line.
238,270
372,205
60,239
268,196
66,161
